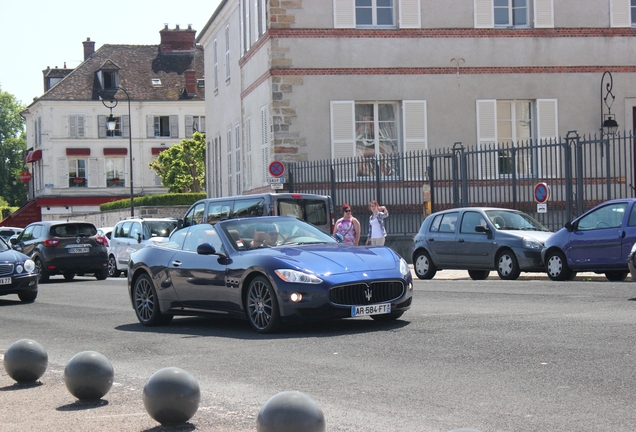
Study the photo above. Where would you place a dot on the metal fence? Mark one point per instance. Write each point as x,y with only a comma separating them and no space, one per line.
580,171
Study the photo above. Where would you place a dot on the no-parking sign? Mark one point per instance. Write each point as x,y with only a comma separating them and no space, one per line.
541,193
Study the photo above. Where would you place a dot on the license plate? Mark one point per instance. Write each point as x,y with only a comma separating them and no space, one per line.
377,309
5,281
78,250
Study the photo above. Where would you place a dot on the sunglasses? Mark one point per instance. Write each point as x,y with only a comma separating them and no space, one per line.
348,211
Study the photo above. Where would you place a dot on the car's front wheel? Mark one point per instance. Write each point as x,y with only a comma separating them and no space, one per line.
43,275
423,265
616,276
478,274
262,306
557,267
507,265
28,296
146,303
112,267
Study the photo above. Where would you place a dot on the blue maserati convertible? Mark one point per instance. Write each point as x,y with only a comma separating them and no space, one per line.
268,270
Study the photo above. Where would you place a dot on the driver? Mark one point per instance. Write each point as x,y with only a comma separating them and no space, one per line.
265,235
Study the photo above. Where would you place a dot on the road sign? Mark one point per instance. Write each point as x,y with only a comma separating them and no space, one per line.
276,185
25,176
276,169
275,180
541,193
542,208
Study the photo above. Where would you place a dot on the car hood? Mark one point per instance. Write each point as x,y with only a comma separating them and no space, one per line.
12,255
540,236
336,259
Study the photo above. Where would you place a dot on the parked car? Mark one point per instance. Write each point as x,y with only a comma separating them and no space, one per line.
17,274
598,241
7,232
105,232
66,248
268,270
479,239
315,209
132,234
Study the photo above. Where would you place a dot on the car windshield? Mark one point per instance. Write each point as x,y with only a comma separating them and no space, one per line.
254,233
72,230
161,228
509,220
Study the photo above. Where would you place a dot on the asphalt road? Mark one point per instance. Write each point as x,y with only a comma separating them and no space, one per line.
527,355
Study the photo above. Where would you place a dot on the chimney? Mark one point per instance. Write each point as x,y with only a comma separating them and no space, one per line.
190,82
177,41
89,48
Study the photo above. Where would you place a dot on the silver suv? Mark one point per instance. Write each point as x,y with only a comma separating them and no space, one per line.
132,234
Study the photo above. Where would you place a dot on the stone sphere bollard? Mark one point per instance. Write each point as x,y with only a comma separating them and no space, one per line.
89,376
25,361
171,396
290,411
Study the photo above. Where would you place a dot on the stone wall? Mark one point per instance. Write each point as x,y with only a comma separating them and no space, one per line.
111,217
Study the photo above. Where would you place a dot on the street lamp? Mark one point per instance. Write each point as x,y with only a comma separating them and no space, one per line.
111,124
608,121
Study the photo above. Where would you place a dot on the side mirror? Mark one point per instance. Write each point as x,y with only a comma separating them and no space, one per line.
13,241
208,249
138,237
569,226
482,229
179,224
339,237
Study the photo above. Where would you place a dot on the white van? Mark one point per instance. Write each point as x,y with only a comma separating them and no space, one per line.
315,209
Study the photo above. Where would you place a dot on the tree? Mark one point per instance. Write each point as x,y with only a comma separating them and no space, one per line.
182,166
12,150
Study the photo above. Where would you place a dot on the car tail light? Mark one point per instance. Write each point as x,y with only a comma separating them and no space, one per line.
102,240
51,242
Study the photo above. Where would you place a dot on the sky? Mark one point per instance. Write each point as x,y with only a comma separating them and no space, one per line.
35,34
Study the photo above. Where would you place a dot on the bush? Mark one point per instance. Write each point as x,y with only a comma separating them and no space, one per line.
155,201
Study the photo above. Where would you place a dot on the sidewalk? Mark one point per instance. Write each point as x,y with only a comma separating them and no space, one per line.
463,275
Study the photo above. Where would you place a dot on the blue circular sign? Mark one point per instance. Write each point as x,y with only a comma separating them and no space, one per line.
276,169
541,193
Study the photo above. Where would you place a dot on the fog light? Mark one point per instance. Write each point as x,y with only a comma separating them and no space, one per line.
296,297
411,286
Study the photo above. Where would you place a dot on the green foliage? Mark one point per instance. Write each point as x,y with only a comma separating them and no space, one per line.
164,200
182,166
12,150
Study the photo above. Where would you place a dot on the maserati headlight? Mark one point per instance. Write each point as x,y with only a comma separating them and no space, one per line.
404,267
29,266
294,276
529,243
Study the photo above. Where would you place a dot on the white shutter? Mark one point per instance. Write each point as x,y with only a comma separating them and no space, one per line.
189,126
81,126
410,14
484,14
343,136
125,126
248,156
72,126
544,13
620,14
487,137
150,126
127,170
96,172
548,130
62,173
264,144
101,126
415,135
344,14
174,126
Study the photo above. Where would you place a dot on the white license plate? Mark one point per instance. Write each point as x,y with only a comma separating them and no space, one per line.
377,309
5,281
78,250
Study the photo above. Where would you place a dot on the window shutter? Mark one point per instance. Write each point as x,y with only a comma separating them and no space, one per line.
101,126
484,14
202,124
344,14
620,14
548,130
264,143
96,172
343,137
248,156
544,13
62,173
174,126
415,135
150,126
127,170
189,126
72,126
410,14
81,126
487,137
125,132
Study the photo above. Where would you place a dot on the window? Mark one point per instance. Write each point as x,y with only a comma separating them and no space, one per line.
117,131
108,79
609,216
216,65
469,221
194,124
376,129
76,126
161,126
375,13
77,172
227,52
237,158
261,17
38,132
115,172
121,127
514,125
511,13
229,162
246,27
633,12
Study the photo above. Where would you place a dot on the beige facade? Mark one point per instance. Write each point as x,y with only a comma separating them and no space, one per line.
310,80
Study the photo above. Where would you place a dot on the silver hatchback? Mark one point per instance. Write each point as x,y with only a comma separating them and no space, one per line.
479,239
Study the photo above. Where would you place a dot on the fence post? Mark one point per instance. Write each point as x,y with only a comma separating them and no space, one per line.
457,150
607,166
291,180
431,180
572,139
333,182
378,189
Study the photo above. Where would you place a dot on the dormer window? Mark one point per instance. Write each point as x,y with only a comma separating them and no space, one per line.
201,83
108,79
156,82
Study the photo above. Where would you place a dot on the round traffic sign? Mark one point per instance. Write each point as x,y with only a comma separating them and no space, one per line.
541,193
276,169
25,176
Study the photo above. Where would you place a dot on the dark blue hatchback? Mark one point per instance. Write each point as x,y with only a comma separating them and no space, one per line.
598,241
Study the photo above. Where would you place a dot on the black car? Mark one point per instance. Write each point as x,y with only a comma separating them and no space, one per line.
269,270
66,248
17,274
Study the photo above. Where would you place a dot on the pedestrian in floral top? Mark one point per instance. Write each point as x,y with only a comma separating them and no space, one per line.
377,231
348,226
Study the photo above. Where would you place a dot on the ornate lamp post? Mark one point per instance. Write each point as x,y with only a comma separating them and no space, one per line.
111,124
608,121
